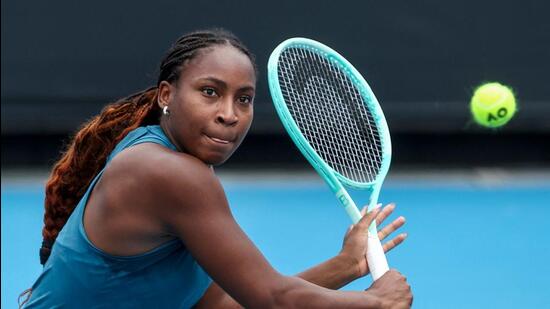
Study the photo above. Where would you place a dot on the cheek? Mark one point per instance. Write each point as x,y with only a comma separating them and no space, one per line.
249,116
245,123
189,112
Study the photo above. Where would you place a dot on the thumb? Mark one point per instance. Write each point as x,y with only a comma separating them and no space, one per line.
366,221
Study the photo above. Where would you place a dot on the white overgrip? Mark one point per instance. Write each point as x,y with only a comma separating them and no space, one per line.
378,264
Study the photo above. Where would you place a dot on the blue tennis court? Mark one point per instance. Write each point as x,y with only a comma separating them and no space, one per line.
474,242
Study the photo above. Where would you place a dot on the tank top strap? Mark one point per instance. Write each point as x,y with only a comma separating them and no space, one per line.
151,134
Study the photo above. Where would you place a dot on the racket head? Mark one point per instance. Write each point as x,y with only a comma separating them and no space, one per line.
367,95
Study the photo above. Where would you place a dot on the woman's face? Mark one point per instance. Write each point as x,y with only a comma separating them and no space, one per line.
211,105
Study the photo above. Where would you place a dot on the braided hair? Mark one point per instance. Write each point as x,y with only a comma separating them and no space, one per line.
87,152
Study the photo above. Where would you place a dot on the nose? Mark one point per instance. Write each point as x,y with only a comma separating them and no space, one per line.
226,113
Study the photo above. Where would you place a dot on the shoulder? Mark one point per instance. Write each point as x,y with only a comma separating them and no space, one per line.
165,180
159,169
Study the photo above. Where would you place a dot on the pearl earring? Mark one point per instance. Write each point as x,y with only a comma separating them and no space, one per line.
165,110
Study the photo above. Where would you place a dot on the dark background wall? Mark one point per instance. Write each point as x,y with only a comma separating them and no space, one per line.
63,60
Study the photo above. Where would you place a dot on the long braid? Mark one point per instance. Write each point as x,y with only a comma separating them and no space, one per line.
85,156
87,153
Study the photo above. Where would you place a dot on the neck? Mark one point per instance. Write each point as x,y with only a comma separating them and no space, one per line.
166,128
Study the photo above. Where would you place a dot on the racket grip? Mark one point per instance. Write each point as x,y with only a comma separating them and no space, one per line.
378,264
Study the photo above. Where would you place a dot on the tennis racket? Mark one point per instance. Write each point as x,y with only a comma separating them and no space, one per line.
333,117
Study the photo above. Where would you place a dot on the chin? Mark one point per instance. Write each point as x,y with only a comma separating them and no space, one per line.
215,156
216,159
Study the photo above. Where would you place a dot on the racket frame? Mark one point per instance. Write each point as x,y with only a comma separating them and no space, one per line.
334,179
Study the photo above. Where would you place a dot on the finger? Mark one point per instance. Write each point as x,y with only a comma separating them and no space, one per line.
366,221
394,242
350,228
363,216
386,211
390,228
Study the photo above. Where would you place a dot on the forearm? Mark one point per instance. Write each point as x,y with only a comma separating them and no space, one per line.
298,293
216,297
332,274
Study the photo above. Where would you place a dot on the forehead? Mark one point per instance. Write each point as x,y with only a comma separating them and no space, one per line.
221,61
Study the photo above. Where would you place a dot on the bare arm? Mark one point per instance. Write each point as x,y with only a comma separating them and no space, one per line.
349,265
194,208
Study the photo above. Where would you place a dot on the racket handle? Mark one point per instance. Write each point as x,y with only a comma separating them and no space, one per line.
378,264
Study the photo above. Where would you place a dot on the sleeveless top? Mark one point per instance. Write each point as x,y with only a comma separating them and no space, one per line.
80,275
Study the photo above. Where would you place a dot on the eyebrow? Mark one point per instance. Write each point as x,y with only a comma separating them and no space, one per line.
223,84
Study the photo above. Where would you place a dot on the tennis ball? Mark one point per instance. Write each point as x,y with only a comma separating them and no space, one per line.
493,105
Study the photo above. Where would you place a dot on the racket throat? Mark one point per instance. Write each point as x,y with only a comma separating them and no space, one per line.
349,205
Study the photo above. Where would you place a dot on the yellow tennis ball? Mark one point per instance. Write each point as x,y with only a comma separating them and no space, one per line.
493,105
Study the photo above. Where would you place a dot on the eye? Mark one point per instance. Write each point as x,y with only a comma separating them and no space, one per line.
210,92
245,99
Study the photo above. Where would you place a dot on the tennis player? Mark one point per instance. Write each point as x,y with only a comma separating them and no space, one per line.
135,216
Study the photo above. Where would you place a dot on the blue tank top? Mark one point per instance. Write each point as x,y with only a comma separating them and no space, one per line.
80,275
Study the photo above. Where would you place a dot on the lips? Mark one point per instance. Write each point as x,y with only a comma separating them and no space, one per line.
220,140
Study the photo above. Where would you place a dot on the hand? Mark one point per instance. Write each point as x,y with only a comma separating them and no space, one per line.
355,241
392,290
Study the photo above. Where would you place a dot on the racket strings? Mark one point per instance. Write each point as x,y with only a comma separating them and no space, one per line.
331,113
339,128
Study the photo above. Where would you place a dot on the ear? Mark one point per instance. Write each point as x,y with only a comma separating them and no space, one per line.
165,94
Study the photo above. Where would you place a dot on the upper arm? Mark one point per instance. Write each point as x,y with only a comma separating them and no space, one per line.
195,209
